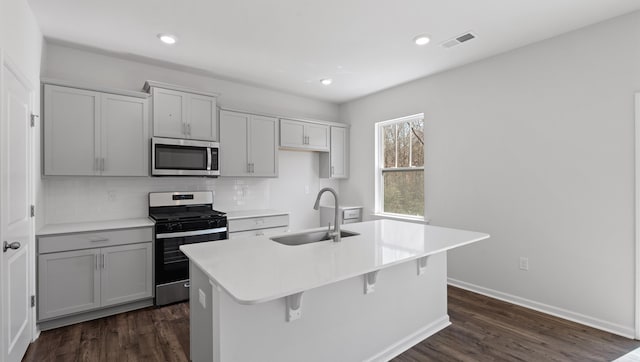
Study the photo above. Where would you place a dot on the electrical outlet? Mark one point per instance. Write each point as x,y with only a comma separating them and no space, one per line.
524,263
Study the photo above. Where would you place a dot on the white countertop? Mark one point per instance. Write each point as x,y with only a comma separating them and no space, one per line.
245,214
257,269
51,229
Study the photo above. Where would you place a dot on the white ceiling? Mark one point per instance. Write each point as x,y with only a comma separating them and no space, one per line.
364,45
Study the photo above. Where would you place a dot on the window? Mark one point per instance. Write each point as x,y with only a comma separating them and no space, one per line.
400,166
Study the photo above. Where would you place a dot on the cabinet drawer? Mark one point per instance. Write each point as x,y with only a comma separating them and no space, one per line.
259,232
258,223
351,214
97,239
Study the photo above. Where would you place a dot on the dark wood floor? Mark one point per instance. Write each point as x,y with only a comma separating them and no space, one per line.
483,329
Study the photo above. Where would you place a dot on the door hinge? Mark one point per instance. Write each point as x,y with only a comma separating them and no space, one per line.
33,119
33,211
33,301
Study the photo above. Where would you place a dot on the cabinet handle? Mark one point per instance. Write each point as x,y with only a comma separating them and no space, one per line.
253,170
96,261
189,130
184,128
103,261
102,164
98,240
248,168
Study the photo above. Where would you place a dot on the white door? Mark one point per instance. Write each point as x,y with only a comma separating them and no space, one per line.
15,224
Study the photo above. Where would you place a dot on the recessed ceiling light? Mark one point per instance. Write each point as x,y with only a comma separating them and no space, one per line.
421,39
167,38
326,81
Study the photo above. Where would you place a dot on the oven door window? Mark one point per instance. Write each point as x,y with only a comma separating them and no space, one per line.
171,264
170,157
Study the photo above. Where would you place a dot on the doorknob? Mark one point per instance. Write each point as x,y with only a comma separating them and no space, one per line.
15,246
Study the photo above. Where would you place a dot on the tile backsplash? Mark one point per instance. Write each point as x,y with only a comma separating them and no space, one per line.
79,199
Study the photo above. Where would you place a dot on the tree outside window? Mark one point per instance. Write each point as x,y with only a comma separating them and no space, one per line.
401,166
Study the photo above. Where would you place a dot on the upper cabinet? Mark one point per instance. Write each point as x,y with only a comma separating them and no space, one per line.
248,145
183,113
92,133
304,135
335,164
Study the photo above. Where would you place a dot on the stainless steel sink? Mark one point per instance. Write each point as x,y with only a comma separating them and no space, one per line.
310,237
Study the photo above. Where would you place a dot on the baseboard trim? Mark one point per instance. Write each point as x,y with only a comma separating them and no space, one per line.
94,314
547,309
411,340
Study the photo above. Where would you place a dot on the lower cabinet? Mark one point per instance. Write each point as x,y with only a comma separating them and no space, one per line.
69,282
242,226
92,279
126,273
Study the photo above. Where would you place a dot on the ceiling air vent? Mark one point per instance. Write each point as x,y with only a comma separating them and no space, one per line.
458,40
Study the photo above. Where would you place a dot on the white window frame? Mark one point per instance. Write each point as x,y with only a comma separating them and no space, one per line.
379,180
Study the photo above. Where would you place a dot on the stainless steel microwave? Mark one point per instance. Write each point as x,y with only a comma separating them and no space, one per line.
179,157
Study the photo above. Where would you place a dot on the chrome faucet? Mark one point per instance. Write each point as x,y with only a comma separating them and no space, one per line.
335,235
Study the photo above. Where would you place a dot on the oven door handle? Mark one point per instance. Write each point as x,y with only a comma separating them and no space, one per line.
209,156
190,233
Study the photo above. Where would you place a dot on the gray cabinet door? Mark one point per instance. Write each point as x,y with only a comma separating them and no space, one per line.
339,152
68,282
126,273
263,146
233,143
124,136
292,134
169,113
203,118
317,136
71,128
335,164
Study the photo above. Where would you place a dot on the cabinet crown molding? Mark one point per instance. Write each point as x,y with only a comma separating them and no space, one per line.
92,87
154,84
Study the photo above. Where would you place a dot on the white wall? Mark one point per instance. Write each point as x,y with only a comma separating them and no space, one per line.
535,147
73,199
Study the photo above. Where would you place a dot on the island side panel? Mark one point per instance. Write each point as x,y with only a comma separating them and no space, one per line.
339,322
203,333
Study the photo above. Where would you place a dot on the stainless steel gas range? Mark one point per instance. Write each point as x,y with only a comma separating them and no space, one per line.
181,218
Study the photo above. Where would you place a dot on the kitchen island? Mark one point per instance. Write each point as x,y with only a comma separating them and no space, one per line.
369,297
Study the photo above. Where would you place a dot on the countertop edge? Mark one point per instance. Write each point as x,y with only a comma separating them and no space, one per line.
345,277
248,214
91,226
